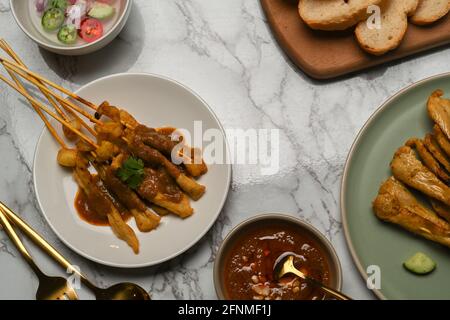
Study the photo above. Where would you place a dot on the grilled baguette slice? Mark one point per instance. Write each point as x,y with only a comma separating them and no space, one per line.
430,11
394,23
332,15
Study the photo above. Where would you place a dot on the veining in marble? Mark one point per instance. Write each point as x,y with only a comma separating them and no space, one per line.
225,52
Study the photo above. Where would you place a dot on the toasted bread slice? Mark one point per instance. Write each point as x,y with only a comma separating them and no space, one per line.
394,23
332,15
430,11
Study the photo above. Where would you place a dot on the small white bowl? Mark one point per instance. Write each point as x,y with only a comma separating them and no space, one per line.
21,13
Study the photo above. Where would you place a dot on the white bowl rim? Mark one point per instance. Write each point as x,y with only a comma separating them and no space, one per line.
67,49
192,243
281,216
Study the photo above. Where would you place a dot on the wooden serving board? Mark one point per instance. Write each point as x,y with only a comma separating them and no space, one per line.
324,55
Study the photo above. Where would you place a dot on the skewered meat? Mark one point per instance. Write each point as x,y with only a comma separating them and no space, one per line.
441,139
439,111
106,151
67,157
145,219
154,158
165,144
441,209
397,205
428,159
159,188
70,135
99,202
432,145
409,170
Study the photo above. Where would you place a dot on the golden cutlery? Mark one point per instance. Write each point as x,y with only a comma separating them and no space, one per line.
50,288
285,265
120,291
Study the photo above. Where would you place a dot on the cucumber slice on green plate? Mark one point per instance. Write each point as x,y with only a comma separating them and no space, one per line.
420,263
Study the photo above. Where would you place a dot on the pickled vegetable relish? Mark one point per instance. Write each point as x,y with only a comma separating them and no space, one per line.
74,22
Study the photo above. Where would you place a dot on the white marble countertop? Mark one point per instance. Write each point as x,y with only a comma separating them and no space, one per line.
225,52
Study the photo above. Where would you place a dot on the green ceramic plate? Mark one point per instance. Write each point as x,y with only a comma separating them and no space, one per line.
371,241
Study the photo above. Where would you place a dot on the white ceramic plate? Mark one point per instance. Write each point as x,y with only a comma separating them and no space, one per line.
155,101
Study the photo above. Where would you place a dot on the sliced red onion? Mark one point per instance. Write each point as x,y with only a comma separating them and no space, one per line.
40,5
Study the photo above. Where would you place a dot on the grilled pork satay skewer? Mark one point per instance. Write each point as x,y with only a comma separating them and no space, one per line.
84,180
195,191
155,189
154,157
102,205
153,138
146,220
191,187
38,104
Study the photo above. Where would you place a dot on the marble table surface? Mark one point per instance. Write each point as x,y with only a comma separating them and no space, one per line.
225,52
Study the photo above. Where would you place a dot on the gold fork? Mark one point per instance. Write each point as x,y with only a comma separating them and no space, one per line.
50,288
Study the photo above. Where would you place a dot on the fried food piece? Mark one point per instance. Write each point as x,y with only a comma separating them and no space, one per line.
159,188
409,170
441,139
106,109
155,158
106,151
69,134
441,209
432,146
395,204
83,146
165,144
439,111
67,157
160,210
99,202
428,159
146,220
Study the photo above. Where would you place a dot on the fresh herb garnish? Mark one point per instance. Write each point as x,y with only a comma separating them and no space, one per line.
132,172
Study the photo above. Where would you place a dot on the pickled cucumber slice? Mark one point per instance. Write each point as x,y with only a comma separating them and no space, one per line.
420,263
60,4
101,11
52,19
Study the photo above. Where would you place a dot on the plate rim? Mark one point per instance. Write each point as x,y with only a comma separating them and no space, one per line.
357,141
192,243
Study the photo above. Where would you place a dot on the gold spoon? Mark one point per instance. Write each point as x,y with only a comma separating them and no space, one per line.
120,291
284,265
50,288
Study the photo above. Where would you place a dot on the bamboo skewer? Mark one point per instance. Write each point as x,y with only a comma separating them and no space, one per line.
5,46
39,81
48,82
48,111
58,97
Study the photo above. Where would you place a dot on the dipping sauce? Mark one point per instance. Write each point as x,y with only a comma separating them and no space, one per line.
92,216
249,266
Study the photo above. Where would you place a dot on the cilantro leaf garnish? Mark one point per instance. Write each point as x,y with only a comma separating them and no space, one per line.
131,172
